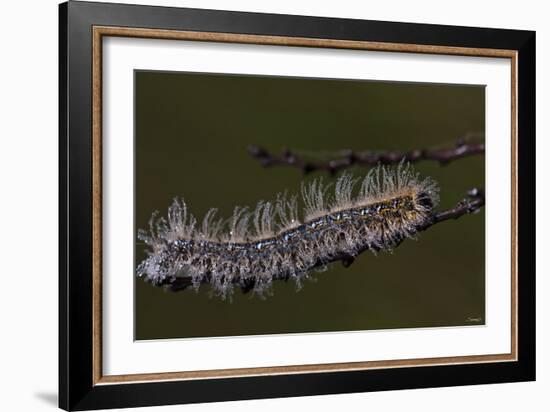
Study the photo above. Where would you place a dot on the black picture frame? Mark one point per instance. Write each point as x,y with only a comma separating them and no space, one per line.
77,390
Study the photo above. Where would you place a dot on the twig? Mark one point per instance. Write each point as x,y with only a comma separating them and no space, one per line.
347,158
474,201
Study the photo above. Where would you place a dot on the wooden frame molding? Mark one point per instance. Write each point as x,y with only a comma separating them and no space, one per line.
99,32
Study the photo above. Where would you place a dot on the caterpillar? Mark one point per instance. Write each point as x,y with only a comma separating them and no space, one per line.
255,247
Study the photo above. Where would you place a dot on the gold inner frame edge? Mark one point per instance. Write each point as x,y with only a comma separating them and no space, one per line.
99,32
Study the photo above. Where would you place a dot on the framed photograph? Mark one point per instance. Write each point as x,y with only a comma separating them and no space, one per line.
256,205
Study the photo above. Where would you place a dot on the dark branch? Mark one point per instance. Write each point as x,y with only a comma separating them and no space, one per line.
346,158
470,204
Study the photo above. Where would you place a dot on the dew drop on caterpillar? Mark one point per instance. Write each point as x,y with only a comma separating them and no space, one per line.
255,247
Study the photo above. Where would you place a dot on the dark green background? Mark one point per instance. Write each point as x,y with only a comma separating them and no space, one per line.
191,134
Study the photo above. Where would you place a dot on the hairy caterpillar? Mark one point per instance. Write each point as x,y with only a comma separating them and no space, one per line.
253,248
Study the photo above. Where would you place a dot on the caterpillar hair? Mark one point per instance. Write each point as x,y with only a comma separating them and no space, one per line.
274,241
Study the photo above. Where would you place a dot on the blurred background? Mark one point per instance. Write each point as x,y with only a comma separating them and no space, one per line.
192,132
